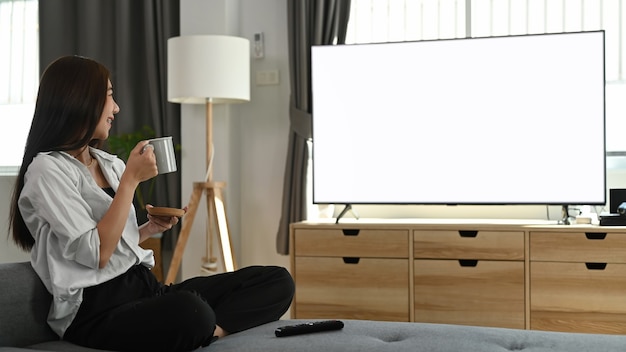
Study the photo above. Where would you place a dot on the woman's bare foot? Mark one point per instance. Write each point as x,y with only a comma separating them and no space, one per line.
219,332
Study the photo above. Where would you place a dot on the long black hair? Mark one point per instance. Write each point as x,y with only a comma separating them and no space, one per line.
71,97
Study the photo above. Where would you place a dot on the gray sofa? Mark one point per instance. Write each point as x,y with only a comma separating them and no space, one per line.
24,304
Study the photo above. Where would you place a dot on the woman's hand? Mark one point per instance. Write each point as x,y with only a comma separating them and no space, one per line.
157,224
141,164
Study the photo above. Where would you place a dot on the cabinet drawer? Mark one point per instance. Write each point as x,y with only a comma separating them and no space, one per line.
491,293
496,245
578,246
372,289
352,243
578,297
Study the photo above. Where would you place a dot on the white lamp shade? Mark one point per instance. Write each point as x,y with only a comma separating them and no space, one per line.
201,67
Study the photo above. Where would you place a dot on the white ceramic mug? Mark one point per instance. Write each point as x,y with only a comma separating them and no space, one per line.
164,153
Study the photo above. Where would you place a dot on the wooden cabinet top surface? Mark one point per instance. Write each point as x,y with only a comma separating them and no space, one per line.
455,224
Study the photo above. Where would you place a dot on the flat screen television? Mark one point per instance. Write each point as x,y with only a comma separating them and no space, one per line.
498,120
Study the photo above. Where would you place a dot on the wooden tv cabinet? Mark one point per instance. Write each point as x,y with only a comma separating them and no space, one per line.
502,273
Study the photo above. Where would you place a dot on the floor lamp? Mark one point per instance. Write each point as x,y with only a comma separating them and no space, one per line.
207,69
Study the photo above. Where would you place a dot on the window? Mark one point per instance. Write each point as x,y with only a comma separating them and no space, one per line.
19,77
404,20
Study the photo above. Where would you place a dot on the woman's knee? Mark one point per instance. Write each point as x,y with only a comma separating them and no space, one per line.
283,282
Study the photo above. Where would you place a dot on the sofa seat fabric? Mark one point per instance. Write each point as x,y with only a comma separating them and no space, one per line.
376,336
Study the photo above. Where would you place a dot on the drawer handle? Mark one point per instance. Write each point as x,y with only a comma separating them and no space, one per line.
595,266
595,235
468,262
350,232
351,260
468,233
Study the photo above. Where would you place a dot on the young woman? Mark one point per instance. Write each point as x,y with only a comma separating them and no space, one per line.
72,209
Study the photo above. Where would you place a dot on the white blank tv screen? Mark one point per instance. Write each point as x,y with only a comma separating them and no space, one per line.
497,120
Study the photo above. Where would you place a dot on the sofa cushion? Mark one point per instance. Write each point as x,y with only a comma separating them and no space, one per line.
379,336
25,304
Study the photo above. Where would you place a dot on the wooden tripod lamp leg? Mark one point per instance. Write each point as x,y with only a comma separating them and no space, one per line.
217,215
184,234
217,203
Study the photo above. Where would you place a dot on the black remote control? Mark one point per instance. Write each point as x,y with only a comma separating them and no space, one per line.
305,328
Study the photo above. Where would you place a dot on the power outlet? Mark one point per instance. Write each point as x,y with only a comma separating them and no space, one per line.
267,78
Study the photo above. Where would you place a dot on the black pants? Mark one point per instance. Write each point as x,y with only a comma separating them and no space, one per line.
134,312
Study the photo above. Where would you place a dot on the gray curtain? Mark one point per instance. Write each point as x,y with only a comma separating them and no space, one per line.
130,38
310,22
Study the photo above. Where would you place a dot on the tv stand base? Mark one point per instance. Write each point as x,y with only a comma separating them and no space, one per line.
347,208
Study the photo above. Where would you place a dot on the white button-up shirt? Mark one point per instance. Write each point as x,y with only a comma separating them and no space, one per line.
61,205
